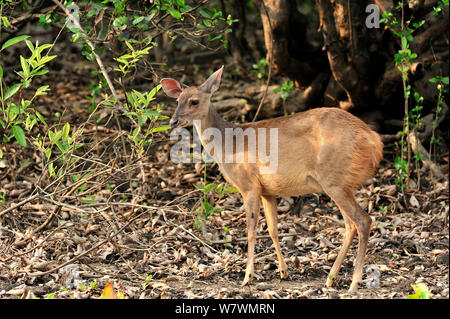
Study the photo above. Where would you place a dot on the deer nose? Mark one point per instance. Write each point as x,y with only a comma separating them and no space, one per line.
174,123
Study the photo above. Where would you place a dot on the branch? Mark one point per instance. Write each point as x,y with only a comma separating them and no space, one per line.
26,200
97,57
417,147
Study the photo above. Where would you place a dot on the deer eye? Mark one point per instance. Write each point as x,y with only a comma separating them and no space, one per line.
194,102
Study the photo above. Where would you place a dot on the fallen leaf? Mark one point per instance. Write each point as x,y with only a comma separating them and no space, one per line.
414,202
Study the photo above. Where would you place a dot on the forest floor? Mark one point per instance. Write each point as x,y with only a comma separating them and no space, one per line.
72,249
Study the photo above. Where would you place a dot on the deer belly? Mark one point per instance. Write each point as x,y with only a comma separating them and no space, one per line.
289,184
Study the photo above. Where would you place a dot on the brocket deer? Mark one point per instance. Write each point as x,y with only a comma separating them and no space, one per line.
325,150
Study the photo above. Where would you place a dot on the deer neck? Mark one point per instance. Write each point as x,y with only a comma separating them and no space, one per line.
212,121
211,131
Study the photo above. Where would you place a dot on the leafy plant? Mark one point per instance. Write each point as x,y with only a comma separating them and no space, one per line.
401,165
3,198
437,10
138,110
403,58
17,116
128,61
226,230
206,209
285,89
62,145
442,82
260,68
147,281
383,209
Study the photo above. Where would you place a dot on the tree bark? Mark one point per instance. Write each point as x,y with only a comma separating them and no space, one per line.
285,39
345,37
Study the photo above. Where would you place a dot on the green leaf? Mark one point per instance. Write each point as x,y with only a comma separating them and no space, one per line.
208,208
209,187
66,130
46,59
40,72
41,118
434,80
198,186
157,88
48,153
231,189
138,20
207,23
214,38
30,46
19,135
404,43
1,72
119,21
205,12
175,13
14,41
51,169
151,113
43,47
25,66
5,22
161,128
55,138
12,90
42,90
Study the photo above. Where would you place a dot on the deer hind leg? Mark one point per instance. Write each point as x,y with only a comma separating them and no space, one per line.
271,213
360,221
350,231
251,203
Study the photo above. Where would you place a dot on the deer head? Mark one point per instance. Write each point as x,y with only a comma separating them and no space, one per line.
193,102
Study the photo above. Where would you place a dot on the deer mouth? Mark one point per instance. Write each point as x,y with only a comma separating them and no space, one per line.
177,124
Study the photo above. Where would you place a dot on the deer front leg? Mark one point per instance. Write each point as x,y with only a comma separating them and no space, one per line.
271,213
251,203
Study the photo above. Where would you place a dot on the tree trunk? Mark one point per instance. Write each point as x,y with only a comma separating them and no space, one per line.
345,37
285,39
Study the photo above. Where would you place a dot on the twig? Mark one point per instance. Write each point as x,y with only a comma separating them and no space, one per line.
29,199
270,64
187,231
46,199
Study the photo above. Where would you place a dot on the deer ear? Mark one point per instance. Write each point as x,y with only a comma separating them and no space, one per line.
171,87
212,84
